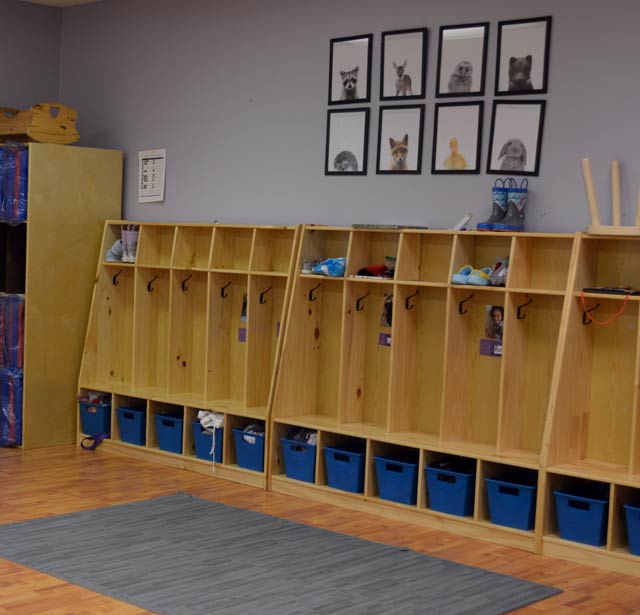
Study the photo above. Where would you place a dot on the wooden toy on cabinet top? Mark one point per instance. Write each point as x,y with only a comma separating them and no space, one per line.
45,123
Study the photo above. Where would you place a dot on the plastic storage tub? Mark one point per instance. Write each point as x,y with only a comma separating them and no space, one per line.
202,441
512,499
95,419
450,491
397,480
169,432
583,513
299,460
249,450
345,468
632,515
133,425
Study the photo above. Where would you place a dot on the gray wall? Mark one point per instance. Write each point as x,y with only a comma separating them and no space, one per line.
237,92
30,66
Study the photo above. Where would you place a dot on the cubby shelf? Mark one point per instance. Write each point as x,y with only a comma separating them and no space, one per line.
195,323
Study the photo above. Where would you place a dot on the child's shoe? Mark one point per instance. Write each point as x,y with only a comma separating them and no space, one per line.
479,277
462,276
498,276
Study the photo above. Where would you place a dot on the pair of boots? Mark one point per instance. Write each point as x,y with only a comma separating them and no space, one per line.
509,202
129,238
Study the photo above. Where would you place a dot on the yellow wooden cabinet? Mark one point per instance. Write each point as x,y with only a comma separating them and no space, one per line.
71,191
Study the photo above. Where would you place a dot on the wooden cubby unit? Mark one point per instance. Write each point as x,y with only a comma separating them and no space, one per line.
170,331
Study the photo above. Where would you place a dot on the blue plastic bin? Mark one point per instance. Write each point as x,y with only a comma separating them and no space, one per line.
202,441
632,514
95,419
397,480
583,513
345,469
169,432
299,460
451,492
133,425
249,450
512,499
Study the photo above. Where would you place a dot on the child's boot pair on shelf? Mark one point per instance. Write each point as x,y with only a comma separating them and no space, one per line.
509,202
129,234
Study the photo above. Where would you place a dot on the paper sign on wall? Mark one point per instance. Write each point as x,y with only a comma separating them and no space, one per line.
151,171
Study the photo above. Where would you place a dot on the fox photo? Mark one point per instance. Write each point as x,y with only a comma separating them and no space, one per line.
523,56
400,140
349,70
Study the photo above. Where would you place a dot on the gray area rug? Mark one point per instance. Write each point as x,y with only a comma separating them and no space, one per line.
182,555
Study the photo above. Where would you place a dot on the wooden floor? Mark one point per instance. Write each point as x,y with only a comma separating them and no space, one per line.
65,479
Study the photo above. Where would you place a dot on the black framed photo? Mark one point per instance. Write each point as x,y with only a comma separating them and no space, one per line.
350,70
522,64
400,139
347,142
403,64
516,137
462,60
457,136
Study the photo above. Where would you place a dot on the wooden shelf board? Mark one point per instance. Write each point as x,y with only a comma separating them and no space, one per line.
238,271
398,505
503,528
471,449
235,407
420,440
531,458
537,291
155,393
272,274
492,289
555,539
187,268
596,470
369,280
114,389
310,421
118,264
152,266
316,276
606,296
364,430
182,399
423,283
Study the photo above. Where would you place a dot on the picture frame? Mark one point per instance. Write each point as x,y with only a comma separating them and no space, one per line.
350,69
462,60
403,64
522,59
400,135
457,138
515,141
347,141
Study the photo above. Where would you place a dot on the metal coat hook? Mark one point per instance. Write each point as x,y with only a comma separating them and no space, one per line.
184,282
585,319
115,278
150,284
311,297
519,314
359,307
262,295
406,301
460,309
222,293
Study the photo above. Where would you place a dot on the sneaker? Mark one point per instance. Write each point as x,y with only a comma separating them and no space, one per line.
462,276
498,276
479,277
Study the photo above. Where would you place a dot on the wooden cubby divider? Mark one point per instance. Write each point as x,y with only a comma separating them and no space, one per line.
190,326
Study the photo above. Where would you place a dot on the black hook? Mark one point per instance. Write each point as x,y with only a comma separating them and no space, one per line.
406,301
222,293
519,315
585,320
460,310
115,278
311,297
262,294
184,282
149,285
359,307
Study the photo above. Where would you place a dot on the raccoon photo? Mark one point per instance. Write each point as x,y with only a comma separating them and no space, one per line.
349,80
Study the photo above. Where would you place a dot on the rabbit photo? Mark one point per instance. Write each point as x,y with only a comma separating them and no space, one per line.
514,155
